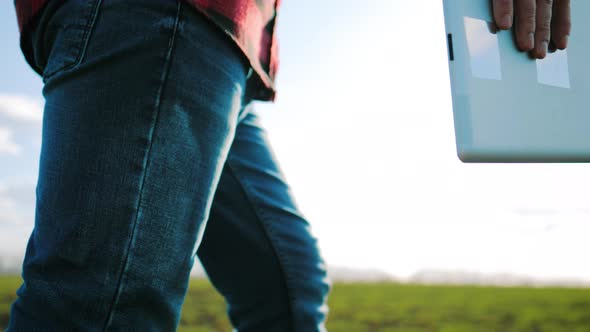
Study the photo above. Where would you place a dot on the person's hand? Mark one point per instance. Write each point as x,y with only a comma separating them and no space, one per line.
540,24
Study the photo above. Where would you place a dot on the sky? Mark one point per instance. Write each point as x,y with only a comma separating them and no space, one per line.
363,129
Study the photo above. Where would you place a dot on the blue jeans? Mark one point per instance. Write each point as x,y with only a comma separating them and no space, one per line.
149,135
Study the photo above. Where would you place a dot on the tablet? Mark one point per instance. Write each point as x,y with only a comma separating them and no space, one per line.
508,107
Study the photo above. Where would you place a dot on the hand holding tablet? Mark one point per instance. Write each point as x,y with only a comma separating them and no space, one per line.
511,106
540,24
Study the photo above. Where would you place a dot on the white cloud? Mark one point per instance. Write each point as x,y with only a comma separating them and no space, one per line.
21,108
17,215
7,145
8,208
16,205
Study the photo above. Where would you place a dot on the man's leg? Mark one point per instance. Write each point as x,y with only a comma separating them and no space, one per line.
135,133
258,249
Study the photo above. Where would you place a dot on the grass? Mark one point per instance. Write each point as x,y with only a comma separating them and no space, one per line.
387,307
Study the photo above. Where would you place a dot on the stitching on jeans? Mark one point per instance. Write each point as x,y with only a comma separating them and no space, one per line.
261,218
88,31
81,52
157,105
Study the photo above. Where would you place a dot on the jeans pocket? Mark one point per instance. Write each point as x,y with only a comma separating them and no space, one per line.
61,35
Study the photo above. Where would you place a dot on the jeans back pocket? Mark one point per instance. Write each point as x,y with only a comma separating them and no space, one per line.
61,34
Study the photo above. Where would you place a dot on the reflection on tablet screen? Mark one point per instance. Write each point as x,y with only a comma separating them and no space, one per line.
554,70
484,52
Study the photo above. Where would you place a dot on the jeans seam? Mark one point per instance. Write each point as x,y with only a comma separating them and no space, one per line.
261,216
81,52
146,162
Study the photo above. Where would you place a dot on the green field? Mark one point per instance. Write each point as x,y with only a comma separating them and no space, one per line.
390,307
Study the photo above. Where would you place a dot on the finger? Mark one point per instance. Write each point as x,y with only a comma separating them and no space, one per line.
525,23
543,28
562,23
503,13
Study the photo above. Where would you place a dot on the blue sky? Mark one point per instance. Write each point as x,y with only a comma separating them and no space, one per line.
364,132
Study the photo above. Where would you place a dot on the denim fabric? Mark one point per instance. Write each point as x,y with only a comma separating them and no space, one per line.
149,135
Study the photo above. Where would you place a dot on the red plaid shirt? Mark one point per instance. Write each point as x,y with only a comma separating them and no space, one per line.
250,23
